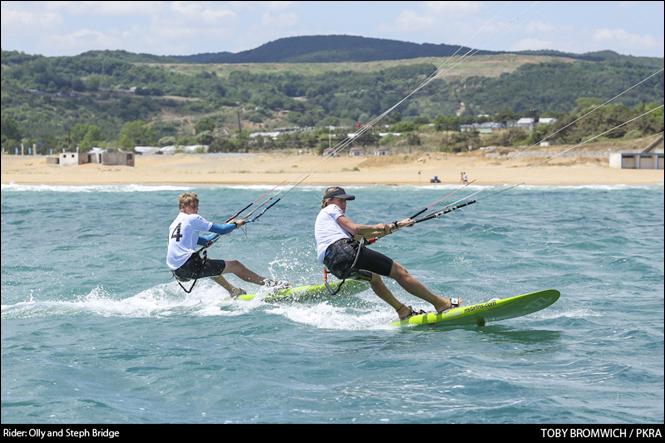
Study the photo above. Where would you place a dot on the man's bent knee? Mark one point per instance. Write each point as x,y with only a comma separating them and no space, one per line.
232,266
398,271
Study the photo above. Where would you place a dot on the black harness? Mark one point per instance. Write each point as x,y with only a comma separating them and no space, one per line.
341,259
201,262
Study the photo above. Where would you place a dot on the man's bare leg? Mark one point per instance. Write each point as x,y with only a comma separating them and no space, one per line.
415,287
233,290
240,270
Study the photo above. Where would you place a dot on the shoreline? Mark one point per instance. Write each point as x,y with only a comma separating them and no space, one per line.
274,169
133,187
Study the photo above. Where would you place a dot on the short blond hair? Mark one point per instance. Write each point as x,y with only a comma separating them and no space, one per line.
188,199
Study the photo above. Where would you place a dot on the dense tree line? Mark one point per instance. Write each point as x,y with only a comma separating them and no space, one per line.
555,87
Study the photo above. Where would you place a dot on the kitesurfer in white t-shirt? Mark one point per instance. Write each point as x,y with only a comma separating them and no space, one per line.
343,255
183,258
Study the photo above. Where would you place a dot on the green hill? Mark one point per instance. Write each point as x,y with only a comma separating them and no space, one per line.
330,49
53,99
341,49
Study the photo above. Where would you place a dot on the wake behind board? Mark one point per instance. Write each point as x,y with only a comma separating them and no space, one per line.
311,292
492,310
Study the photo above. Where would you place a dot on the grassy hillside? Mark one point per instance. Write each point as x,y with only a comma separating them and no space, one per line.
478,65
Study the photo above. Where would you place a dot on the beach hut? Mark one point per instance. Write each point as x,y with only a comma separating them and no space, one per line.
95,155
117,158
648,158
69,159
356,152
637,160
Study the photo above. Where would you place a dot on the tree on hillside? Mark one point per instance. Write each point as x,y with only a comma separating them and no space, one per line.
652,123
92,137
205,138
404,126
447,123
9,131
86,136
205,124
136,133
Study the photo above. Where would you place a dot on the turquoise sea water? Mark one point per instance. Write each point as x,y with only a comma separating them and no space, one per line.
94,330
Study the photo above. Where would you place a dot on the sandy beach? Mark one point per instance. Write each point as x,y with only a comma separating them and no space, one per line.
411,169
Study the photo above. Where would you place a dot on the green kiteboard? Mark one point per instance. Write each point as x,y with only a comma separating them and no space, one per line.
481,313
312,292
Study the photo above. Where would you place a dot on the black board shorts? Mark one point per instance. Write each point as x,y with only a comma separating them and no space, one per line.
340,255
195,267
374,261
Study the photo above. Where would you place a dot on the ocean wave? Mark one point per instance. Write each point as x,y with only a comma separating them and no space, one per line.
303,187
160,301
327,316
582,313
616,187
208,299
